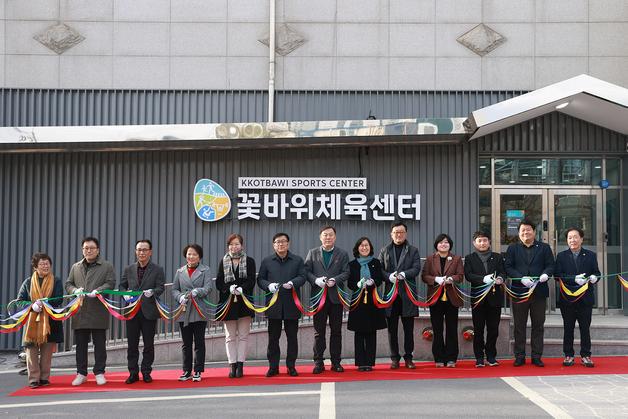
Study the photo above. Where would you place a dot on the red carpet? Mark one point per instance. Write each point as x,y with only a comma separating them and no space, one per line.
254,376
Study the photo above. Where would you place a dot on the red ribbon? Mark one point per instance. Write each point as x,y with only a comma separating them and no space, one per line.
297,302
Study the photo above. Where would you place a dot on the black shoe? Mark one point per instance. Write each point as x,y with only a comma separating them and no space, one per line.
492,362
409,364
232,371
239,370
196,377
133,378
187,375
318,368
537,362
34,384
394,365
479,363
146,377
519,361
292,372
368,369
337,368
362,369
272,371
44,383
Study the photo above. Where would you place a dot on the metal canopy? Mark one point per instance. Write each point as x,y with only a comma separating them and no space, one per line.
583,97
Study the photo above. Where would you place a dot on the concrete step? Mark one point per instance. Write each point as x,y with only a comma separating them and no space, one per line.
554,347
598,332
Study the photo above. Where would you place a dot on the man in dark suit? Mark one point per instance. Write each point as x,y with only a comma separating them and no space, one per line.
327,266
529,263
577,266
281,272
400,262
148,277
481,268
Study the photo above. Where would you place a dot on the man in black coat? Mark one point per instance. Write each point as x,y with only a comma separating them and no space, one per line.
401,262
148,277
529,263
327,266
482,268
281,272
577,266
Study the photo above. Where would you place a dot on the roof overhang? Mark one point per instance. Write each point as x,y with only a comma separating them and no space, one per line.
234,135
583,97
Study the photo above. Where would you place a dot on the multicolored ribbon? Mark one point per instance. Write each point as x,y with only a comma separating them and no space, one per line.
431,300
319,302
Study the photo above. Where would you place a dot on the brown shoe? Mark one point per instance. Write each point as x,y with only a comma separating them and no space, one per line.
410,365
394,365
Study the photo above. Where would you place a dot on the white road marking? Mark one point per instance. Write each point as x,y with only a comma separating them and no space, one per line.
158,399
536,398
327,408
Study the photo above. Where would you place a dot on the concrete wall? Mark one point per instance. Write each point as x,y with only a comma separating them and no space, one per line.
340,44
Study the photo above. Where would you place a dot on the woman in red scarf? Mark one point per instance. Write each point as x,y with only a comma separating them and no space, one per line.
42,334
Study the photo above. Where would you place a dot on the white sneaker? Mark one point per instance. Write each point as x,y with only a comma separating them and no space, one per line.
100,379
80,379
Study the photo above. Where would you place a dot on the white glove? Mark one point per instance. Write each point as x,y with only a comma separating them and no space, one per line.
238,291
369,282
499,280
273,287
488,279
439,280
392,277
331,282
543,278
127,297
320,281
183,299
148,293
92,294
288,285
232,289
449,280
361,283
526,281
580,279
194,292
37,305
593,279
78,290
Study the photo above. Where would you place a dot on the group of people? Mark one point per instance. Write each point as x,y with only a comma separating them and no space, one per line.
529,263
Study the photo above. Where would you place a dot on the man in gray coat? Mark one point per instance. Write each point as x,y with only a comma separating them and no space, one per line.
91,275
401,262
282,272
327,266
148,277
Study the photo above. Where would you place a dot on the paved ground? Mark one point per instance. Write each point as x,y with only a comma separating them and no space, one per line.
604,396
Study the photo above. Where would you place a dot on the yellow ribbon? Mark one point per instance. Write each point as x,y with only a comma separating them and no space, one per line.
575,293
260,309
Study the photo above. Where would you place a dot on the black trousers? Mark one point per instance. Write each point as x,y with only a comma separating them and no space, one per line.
365,348
273,352
487,316
82,338
193,333
134,327
443,314
393,336
536,308
581,313
333,312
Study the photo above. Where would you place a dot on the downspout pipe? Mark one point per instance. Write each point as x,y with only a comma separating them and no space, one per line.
271,63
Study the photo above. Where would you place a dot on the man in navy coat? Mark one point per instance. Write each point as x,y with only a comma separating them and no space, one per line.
576,267
529,263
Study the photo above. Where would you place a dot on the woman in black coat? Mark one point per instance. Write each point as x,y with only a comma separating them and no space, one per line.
236,276
365,271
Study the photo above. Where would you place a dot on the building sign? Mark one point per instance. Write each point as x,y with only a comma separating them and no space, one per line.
211,201
322,205
513,218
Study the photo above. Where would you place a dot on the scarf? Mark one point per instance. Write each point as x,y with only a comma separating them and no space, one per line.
484,257
228,266
365,272
38,326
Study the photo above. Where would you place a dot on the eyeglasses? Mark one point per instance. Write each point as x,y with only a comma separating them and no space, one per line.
280,241
89,249
142,250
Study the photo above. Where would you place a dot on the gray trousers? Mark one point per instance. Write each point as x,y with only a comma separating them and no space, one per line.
536,308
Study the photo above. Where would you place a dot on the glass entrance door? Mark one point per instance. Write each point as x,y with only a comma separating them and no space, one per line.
512,206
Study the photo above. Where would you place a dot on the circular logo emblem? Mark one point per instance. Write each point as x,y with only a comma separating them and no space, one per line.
211,201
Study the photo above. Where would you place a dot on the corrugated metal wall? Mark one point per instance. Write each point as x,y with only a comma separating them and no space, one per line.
37,107
49,201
